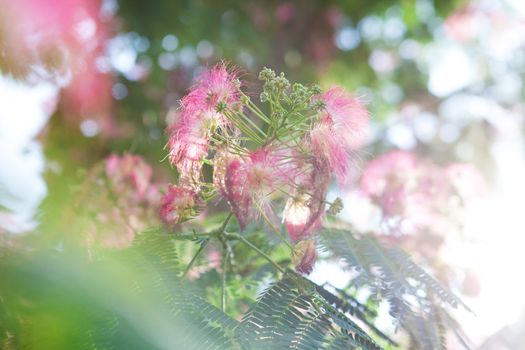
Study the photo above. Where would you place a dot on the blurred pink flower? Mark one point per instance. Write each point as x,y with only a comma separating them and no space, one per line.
122,205
213,258
179,204
464,24
128,172
88,96
388,174
285,12
66,37
416,195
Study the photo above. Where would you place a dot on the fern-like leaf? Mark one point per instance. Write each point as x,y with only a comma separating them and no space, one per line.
391,274
291,314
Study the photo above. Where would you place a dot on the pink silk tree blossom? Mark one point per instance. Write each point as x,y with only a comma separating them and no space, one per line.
416,195
179,204
199,116
348,115
249,182
259,161
340,130
304,211
131,169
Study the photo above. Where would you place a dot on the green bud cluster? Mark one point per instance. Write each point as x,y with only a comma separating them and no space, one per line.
278,88
336,207
221,106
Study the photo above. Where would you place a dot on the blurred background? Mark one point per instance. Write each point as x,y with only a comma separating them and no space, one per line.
81,79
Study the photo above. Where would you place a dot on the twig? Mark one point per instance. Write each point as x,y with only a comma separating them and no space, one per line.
251,245
201,248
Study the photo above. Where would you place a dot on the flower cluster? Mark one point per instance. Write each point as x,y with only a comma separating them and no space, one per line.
416,195
130,204
203,111
422,205
285,157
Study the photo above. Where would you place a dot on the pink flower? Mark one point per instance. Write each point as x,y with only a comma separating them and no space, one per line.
187,148
303,212
304,256
464,24
237,192
61,36
395,182
215,85
126,202
179,204
348,116
395,169
328,144
189,139
222,159
248,182
340,130
127,170
417,196
299,219
199,106
285,12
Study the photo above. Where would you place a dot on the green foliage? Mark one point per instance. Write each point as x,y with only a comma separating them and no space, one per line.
136,299
132,299
291,314
416,299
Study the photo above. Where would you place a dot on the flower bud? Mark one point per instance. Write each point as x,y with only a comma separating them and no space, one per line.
304,256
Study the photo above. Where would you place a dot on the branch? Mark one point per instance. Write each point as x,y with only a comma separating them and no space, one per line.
251,245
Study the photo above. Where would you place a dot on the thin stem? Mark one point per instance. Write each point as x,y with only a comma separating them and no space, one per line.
246,129
245,117
235,149
254,108
201,248
225,255
193,236
223,227
259,114
260,252
203,245
224,268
